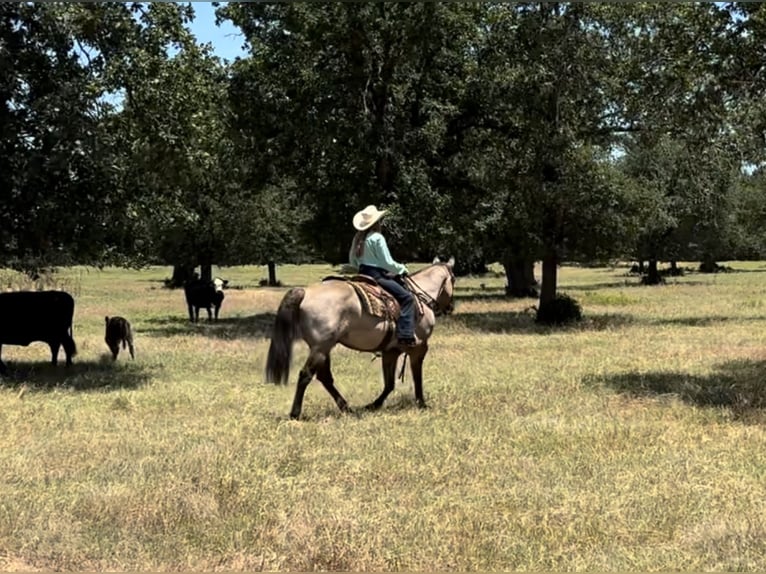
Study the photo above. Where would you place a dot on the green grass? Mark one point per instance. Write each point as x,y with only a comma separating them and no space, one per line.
632,441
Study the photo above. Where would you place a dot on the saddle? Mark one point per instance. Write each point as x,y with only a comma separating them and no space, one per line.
375,300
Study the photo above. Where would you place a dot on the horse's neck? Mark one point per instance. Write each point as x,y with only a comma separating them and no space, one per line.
429,280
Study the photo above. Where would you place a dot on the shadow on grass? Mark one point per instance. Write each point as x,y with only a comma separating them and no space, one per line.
403,400
524,322
100,375
473,293
694,321
489,296
758,270
705,321
255,326
736,385
626,284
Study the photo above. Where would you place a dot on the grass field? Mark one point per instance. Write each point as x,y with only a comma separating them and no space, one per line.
633,441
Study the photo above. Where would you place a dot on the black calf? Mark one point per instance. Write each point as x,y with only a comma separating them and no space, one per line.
118,331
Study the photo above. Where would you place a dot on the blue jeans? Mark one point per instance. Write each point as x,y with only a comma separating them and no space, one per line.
405,326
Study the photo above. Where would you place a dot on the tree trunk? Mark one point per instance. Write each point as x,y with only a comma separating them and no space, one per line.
652,274
206,272
181,274
520,277
272,273
549,280
708,264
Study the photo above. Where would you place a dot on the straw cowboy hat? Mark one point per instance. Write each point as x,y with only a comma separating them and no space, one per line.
368,217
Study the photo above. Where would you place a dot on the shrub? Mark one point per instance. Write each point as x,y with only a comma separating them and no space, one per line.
563,310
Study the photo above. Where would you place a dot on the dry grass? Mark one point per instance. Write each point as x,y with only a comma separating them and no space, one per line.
631,442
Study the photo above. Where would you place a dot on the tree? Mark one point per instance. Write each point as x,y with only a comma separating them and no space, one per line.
357,103
686,200
569,82
56,165
176,127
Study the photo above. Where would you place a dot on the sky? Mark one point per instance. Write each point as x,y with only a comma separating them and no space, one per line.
226,39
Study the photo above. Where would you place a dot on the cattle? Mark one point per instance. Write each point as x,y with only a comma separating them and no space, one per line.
204,294
27,316
119,331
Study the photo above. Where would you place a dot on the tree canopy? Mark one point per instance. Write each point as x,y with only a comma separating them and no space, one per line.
510,132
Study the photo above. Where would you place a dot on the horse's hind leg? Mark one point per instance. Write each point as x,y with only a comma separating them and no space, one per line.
416,365
389,375
312,365
324,374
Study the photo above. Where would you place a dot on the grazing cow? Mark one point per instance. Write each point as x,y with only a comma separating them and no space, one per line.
118,330
204,294
27,316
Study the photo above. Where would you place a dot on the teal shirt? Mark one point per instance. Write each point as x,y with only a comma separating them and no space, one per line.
376,253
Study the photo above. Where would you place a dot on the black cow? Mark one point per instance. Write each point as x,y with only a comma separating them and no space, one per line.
204,294
27,316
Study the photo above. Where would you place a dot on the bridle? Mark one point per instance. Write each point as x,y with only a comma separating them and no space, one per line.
429,301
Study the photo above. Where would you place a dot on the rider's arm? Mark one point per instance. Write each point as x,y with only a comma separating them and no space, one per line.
383,255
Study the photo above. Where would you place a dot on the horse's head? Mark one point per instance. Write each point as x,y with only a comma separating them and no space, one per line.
445,298
435,285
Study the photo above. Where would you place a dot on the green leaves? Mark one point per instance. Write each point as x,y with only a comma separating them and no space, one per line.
490,129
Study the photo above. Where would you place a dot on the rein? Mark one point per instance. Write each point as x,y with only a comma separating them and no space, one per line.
428,300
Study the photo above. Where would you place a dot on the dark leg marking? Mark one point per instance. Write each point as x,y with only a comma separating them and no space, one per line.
324,374
389,374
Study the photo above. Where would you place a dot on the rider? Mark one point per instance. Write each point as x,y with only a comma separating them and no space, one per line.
369,253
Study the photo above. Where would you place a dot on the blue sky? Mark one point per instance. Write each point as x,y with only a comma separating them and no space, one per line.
226,39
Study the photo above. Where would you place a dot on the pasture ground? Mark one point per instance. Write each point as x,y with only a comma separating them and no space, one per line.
633,441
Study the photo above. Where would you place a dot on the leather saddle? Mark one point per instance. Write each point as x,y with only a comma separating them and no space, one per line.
375,300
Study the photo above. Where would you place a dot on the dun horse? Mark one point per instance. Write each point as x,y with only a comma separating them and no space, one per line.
331,312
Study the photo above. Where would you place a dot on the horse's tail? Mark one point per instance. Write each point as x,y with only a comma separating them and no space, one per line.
285,332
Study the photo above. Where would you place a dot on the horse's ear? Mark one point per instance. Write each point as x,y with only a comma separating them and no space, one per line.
436,260
451,262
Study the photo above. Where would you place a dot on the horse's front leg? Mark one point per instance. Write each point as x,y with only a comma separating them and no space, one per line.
389,374
416,365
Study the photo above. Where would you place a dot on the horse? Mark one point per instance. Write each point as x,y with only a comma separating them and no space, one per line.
330,312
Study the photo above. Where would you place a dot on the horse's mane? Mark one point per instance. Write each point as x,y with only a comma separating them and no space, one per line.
440,263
